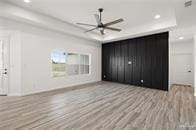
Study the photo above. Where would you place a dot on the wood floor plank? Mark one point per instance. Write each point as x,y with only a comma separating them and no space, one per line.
101,106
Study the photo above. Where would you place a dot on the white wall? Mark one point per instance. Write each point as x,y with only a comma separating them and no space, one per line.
194,52
180,47
34,51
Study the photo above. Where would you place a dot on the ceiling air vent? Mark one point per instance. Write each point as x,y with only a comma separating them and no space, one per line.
188,3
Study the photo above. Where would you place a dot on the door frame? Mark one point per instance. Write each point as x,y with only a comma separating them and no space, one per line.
7,65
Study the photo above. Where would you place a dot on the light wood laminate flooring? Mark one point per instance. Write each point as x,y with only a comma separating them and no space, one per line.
104,105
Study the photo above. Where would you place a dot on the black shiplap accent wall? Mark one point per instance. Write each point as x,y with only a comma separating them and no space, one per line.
141,61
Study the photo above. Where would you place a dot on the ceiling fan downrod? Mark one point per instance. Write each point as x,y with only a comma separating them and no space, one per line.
100,13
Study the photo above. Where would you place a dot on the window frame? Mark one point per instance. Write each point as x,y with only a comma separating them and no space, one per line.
79,68
89,56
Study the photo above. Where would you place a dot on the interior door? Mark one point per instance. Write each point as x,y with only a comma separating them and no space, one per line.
3,66
182,69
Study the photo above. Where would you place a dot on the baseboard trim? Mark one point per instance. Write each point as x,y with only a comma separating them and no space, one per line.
182,85
3,94
66,89
13,94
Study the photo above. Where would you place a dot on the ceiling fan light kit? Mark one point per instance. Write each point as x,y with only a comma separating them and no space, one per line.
100,25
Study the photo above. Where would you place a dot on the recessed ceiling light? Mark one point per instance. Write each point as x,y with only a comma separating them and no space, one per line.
181,38
157,16
27,1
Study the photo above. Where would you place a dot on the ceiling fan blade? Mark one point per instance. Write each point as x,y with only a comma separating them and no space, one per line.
114,22
91,29
98,19
113,29
87,24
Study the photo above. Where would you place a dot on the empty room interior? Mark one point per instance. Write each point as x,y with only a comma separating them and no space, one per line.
97,65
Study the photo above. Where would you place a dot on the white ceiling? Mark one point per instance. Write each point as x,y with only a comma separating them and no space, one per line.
186,21
138,14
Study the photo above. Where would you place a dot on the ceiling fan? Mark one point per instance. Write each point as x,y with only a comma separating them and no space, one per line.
100,25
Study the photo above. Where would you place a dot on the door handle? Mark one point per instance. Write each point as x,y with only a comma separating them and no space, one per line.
5,73
4,69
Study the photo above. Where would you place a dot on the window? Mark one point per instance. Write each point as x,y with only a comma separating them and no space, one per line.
69,64
73,64
58,63
84,64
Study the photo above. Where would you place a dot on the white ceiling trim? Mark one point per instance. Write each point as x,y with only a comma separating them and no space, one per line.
22,15
15,12
147,29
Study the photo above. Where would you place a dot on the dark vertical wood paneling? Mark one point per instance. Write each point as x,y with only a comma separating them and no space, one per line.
110,53
163,39
156,64
107,65
135,60
142,54
117,55
147,62
121,67
115,62
103,62
130,57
